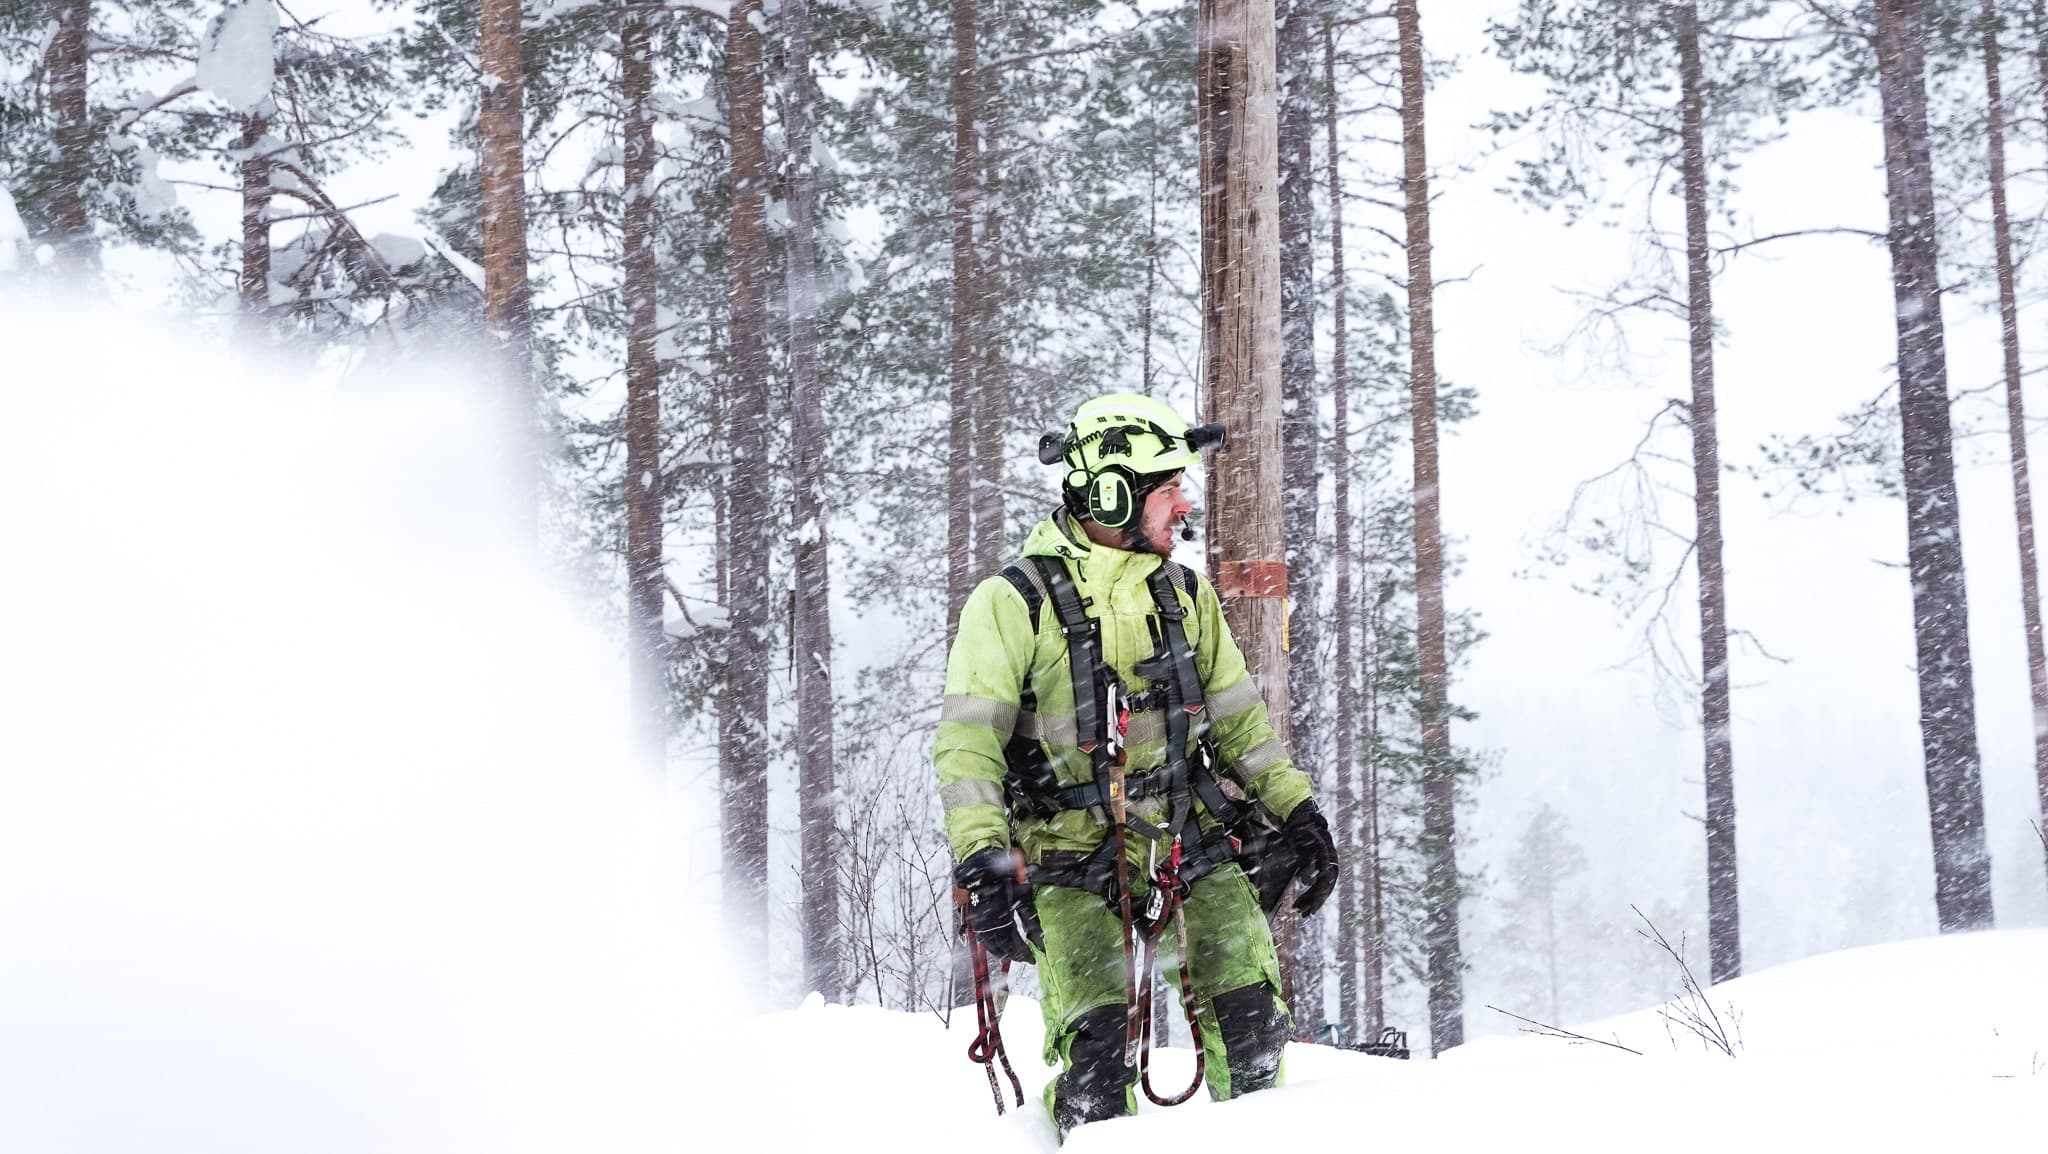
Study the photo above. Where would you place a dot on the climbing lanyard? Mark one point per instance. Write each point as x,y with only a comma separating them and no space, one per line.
1169,893
987,1047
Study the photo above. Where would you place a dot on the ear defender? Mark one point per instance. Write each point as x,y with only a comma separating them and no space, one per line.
1110,502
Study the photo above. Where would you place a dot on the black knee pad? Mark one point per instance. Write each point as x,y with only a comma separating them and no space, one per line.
1095,1082
1254,1036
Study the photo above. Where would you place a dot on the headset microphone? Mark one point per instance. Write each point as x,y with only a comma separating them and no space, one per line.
1187,530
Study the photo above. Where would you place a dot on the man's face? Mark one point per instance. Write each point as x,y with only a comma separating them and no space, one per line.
1165,506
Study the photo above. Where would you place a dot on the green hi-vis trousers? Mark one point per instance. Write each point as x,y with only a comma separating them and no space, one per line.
1236,976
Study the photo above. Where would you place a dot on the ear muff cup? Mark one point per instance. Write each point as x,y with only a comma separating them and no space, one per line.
1111,503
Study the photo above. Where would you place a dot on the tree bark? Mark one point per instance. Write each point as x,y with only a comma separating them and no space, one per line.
1300,432
1372,893
1948,712
1445,975
1239,176
960,364
817,785
501,135
991,381
65,64
645,585
2015,409
1145,307
1349,907
255,274
743,706
1724,924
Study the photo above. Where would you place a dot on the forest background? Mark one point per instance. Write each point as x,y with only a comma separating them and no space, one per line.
1092,154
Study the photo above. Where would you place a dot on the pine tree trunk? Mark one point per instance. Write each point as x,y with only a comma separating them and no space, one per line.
255,275
1445,967
816,777
643,481
1349,844
1724,923
2015,410
1948,711
743,706
991,380
1145,309
65,63
1300,432
1373,892
501,136
960,503
1550,967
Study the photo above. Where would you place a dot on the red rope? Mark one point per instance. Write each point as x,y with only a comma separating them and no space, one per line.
1168,881
987,1047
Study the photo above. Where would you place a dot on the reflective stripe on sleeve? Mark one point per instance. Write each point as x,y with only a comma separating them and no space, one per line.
965,793
1236,699
1261,757
997,715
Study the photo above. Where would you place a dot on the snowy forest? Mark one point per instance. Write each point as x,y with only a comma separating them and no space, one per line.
1625,401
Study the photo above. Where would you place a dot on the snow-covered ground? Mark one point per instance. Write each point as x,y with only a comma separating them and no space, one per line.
1935,1044
318,834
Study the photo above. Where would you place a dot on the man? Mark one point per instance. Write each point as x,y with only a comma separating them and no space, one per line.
1092,680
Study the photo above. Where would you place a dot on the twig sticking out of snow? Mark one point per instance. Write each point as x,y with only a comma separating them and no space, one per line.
1692,1009
1546,1030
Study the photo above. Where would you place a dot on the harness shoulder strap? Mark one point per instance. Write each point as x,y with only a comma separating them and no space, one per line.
1084,652
1179,666
1030,585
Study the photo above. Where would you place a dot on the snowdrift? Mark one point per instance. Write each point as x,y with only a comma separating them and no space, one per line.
1932,1044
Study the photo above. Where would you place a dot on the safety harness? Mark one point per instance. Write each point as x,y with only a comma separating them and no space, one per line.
1102,712
1102,716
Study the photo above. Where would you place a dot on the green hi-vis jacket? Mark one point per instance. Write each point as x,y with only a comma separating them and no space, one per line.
997,649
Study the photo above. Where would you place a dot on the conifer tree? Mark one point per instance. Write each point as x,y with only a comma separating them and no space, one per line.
1363,877
966,315
643,488
1300,407
75,77
817,784
66,61
1446,966
743,703
1544,931
501,164
1686,87
2015,408
1948,712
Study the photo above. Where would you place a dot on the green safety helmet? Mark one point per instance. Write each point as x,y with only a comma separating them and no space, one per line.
1117,449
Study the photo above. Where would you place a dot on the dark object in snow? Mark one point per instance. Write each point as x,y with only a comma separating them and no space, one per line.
1391,1043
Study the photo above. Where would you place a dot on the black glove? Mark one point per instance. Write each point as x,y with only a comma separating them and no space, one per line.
1309,835
994,896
